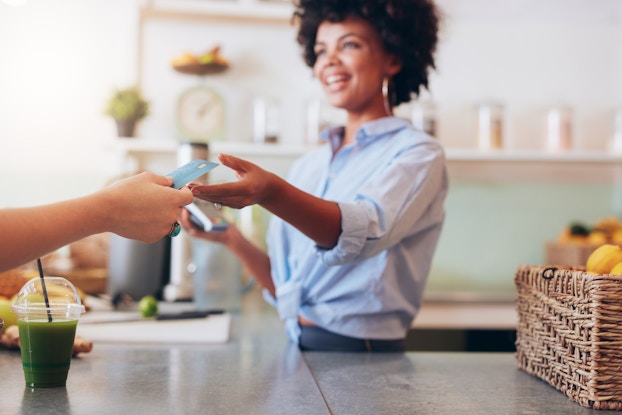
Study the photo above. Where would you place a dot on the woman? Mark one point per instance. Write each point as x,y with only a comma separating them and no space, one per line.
356,224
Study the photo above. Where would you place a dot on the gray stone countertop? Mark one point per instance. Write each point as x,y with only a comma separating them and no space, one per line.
259,372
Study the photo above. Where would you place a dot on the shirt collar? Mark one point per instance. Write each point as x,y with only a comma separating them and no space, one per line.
368,131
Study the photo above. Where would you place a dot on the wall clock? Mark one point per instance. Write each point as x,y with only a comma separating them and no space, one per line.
201,115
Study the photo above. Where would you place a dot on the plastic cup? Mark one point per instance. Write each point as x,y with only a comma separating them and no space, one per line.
47,331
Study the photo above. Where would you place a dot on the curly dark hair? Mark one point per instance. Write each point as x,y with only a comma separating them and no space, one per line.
408,28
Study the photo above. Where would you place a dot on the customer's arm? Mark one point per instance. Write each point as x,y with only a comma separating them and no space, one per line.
142,207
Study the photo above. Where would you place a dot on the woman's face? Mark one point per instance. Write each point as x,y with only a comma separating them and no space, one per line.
351,64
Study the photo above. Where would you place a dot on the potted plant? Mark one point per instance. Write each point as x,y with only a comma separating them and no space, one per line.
127,107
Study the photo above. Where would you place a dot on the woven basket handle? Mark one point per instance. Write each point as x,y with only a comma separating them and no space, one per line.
548,273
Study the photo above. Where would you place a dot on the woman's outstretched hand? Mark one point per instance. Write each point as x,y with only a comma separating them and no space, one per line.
252,187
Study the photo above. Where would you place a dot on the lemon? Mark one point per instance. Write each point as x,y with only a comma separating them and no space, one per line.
616,237
148,306
603,259
617,269
597,238
6,313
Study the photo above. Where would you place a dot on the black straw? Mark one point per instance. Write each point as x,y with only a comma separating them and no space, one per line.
45,291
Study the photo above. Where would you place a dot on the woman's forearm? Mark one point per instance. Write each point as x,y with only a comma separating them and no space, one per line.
317,218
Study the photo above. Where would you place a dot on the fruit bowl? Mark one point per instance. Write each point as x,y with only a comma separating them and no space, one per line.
201,68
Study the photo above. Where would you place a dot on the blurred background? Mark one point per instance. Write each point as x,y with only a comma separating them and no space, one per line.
522,60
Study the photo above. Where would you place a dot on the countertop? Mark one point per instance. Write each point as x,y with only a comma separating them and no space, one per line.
259,372
466,315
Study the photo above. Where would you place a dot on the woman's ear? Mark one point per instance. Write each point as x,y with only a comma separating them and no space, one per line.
393,65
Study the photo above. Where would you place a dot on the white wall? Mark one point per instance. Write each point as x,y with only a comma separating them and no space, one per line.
530,55
60,59
265,61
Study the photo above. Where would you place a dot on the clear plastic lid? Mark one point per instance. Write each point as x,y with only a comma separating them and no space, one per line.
63,299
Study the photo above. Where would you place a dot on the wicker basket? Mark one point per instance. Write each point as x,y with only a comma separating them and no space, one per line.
570,332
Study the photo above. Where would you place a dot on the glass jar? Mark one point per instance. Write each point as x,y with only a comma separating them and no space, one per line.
616,142
490,126
266,120
559,129
424,116
320,116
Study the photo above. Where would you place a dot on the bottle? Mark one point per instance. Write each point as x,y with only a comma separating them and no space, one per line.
217,276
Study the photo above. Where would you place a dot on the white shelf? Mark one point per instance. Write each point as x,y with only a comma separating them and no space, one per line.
252,149
517,156
146,145
535,166
250,10
138,146
143,145
463,164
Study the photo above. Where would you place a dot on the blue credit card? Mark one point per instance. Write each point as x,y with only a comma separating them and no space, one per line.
190,171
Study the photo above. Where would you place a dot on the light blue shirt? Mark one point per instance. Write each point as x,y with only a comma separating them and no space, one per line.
390,186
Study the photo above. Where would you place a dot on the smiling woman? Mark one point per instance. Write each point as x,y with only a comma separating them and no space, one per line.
357,221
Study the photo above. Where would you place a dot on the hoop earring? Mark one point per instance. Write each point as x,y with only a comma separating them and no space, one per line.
385,95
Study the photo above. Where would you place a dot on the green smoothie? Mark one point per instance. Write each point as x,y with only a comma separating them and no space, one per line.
46,351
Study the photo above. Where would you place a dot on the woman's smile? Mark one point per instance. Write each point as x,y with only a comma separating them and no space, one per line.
335,83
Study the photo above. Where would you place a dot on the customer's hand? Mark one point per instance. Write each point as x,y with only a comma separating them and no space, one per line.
143,207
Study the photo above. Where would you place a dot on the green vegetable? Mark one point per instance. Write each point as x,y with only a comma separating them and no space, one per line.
578,228
148,306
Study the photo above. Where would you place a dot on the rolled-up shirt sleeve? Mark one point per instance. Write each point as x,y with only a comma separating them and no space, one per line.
353,235
389,207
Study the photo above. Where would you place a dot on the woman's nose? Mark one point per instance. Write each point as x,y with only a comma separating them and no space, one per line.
332,57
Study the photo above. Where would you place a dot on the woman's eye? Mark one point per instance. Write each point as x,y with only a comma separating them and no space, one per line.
319,52
350,45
